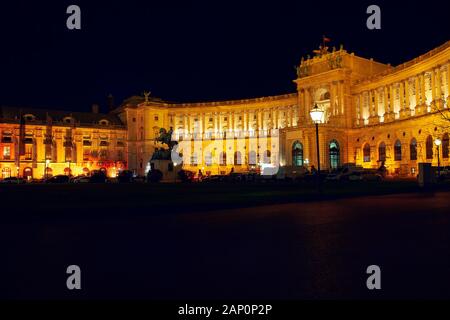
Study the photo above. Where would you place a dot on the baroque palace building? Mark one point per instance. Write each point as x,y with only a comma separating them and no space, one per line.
36,143
374,113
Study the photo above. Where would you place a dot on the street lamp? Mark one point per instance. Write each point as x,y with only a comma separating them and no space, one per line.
317,117
438,142
47,162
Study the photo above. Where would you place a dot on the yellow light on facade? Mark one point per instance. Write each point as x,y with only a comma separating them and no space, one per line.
316,114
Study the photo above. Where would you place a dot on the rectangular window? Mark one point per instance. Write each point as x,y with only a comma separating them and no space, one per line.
68,154
28,151
103,154
86,154
120,155
6,153
48,152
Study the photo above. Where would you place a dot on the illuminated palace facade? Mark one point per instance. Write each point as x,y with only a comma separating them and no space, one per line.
373,113
48,142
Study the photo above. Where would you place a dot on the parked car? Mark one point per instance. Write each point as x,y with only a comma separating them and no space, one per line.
186,176
154,176
58,179
81,179
213,178
125,176
13,180
354,176
371,175
36,181
98,177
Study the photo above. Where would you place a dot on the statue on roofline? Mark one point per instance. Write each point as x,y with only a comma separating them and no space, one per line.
146,96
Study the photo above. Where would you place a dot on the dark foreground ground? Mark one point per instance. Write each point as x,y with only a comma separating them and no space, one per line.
224,241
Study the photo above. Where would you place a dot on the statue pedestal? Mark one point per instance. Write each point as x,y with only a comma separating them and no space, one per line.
405,113
374,120
421,109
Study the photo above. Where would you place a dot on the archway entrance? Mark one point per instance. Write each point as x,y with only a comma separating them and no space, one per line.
334,152
27,173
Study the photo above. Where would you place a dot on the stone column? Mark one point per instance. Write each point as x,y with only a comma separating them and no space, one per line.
405,111
448,85
185,125
448,81
219,123
361,110
332,98
308,103
390,116
202,129
373,119
422,89
231,117
433,85
214,115
377,101
417,88
289,117
400,97
438,87
277,112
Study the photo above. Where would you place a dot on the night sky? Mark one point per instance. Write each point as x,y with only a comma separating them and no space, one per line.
191,50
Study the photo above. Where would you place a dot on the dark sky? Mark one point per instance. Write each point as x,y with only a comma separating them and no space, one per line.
192,50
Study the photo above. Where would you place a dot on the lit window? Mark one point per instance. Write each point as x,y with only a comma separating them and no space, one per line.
6,153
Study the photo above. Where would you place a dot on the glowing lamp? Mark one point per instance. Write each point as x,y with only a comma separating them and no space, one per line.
316,114
437,142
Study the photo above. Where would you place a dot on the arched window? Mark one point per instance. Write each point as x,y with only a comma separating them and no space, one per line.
413,149
366,152
398,151
382,152
28,173
208,159
267,155
334,154
68,154
48,172
445,146
252,158
429,147
223,159
237,158
297,154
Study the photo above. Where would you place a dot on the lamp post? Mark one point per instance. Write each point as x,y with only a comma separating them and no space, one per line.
317,117
438,142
